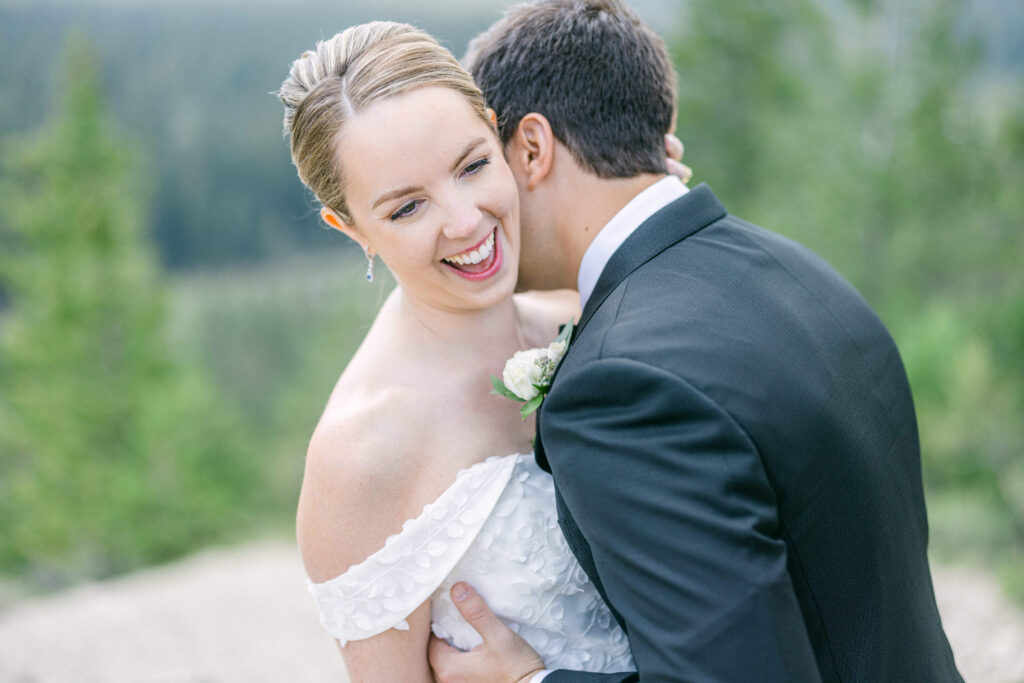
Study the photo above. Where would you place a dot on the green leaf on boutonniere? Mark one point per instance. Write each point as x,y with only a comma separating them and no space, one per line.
531,405
565,333
501,390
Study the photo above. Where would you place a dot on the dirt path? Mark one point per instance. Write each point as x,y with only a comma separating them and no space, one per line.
243,614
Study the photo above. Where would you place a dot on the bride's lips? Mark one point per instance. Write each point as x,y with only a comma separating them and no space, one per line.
485,268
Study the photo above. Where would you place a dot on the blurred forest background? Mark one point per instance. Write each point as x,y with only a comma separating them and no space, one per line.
172,317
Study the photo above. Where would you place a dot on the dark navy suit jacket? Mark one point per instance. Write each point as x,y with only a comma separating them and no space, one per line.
736,462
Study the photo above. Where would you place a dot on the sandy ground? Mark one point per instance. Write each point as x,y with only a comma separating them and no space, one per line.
243,614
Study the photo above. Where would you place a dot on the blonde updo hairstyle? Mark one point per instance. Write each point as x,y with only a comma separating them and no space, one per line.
342,77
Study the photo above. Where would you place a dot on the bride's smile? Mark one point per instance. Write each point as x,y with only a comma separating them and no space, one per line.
478,262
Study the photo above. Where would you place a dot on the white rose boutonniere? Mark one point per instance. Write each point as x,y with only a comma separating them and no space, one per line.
527,375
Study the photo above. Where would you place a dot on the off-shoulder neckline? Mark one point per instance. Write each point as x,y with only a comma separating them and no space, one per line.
461,475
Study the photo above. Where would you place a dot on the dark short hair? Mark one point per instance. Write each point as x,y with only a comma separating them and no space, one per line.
601,77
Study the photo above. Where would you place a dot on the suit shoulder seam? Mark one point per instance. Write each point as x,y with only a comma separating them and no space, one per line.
824,305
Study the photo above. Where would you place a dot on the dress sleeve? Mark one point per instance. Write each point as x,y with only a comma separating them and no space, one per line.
384,589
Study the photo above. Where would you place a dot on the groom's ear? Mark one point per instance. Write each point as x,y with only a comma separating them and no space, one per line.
532,148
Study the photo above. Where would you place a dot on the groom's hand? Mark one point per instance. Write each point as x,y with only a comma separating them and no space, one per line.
674,154
503,657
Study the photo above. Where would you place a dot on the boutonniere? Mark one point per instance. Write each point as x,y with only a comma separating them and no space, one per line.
527,375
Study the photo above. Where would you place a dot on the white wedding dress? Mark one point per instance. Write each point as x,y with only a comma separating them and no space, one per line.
496,528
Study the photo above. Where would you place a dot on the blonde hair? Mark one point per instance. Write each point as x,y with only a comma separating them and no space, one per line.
341,77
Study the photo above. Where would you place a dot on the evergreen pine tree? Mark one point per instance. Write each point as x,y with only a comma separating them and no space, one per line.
112,454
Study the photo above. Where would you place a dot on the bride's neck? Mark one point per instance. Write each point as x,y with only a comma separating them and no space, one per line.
496,327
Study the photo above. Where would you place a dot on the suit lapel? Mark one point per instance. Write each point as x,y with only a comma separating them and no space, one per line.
695,210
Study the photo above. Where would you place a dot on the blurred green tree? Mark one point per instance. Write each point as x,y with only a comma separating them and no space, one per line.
113,454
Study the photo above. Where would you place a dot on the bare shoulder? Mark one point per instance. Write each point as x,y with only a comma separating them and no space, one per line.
357,477
545,311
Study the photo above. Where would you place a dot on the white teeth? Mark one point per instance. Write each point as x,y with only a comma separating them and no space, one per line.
476,256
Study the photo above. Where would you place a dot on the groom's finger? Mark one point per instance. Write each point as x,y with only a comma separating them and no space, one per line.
474,610
439,654
674,153
674,147
438,648
682,171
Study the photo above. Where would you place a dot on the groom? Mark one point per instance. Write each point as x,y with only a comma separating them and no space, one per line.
731,433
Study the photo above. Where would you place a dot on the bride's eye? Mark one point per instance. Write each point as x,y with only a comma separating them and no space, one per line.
408,209
476,167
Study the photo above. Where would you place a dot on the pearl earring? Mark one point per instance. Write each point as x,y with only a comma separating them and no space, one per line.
369,267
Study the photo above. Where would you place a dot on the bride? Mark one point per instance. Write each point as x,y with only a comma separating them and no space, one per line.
417,476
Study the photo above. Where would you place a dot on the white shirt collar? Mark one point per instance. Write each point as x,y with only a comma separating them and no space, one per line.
621,226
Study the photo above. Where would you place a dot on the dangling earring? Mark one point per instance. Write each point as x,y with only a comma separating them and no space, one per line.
369,266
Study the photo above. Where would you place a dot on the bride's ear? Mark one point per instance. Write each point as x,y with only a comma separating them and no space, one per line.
532,148
333,219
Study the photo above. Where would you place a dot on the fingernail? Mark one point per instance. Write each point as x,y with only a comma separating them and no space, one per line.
460,591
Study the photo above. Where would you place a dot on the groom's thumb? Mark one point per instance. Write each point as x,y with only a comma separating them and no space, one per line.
474,610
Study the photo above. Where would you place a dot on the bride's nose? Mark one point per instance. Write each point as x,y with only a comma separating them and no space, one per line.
462,221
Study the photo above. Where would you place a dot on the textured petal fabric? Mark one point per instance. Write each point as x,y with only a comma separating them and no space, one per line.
385,588
496,528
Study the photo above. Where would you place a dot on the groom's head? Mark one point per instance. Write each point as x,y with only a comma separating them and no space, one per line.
591,76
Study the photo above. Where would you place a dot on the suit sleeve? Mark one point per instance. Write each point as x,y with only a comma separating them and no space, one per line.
672,498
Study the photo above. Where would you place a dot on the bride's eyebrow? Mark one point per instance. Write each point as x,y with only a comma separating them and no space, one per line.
473,144
394,194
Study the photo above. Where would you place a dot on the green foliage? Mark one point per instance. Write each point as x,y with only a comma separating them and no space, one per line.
275,338
878,148
112,454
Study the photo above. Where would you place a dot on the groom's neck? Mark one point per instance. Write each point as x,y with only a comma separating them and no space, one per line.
590,203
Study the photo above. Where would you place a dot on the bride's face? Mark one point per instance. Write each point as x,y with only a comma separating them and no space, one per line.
429,191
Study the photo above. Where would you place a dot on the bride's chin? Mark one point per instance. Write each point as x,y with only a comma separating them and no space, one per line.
502,289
